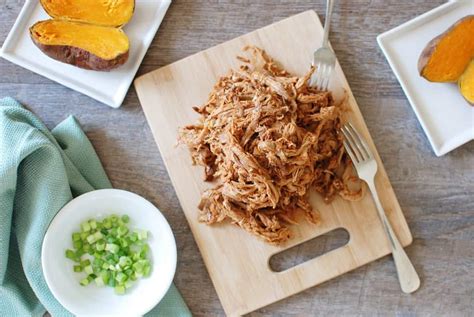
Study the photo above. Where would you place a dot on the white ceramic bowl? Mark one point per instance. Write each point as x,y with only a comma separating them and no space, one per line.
92,300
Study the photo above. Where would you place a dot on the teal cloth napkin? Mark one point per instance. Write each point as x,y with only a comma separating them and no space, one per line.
40,171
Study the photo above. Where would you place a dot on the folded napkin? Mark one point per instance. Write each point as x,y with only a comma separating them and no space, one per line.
40,171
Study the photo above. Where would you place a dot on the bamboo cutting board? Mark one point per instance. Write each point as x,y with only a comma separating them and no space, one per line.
237,261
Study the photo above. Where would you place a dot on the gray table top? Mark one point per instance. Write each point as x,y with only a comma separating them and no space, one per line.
436,194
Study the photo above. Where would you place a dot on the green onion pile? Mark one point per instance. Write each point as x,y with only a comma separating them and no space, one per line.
109,253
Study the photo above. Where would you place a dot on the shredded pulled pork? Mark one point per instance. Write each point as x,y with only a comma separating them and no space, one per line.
267,137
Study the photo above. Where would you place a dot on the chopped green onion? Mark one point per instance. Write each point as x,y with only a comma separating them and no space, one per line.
107,224
99,281
100,246
91,239
120,289
142,235
121,277
147,271
105,276
79,253
134,237
122,230
86,227
70,254
98,235
77,268
98,261
88,269
110,253
112,280
124,243
125,261
97,254
77,244
84,281
76,236
94,237
112,247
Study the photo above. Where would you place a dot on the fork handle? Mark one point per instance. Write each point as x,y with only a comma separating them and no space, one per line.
407,276
327,22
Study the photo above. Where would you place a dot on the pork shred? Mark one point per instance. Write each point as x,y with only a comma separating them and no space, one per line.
266,137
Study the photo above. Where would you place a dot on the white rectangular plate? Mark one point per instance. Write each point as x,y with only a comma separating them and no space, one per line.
448,120
109,88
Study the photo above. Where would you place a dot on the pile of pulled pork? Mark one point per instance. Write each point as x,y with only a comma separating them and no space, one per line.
266,137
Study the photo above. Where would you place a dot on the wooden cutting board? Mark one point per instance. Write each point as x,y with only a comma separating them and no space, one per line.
237,261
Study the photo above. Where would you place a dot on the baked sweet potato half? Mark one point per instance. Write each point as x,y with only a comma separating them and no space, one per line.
466,83
83,45
446,57
99,12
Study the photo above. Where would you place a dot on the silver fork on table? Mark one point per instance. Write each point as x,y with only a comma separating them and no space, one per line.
366,167
324,59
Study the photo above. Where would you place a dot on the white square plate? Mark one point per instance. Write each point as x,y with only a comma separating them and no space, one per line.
107,87
448,120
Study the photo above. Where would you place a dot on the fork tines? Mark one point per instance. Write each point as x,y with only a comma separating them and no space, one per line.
320,79
355,145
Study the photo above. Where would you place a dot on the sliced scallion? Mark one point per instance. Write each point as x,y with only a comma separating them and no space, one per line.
110,253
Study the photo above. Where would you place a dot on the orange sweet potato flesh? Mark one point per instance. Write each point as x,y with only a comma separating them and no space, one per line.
84,45
466,83
99,12
446,57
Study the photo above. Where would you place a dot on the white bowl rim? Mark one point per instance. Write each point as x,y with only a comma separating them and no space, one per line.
99,192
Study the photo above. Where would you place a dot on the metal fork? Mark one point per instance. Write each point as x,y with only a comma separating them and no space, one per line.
366,167
324,59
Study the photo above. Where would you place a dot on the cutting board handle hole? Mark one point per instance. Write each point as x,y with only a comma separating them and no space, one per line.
309,250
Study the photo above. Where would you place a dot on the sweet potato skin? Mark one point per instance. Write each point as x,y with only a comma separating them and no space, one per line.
80,57
431,46
427,52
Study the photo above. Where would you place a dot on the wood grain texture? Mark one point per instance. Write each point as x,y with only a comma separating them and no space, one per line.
436,194
235,260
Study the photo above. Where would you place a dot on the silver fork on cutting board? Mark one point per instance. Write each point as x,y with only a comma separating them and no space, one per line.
366,167
324,59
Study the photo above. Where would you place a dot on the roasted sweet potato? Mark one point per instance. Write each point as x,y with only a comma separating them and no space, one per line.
466,83
446,57
84,45
99,12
